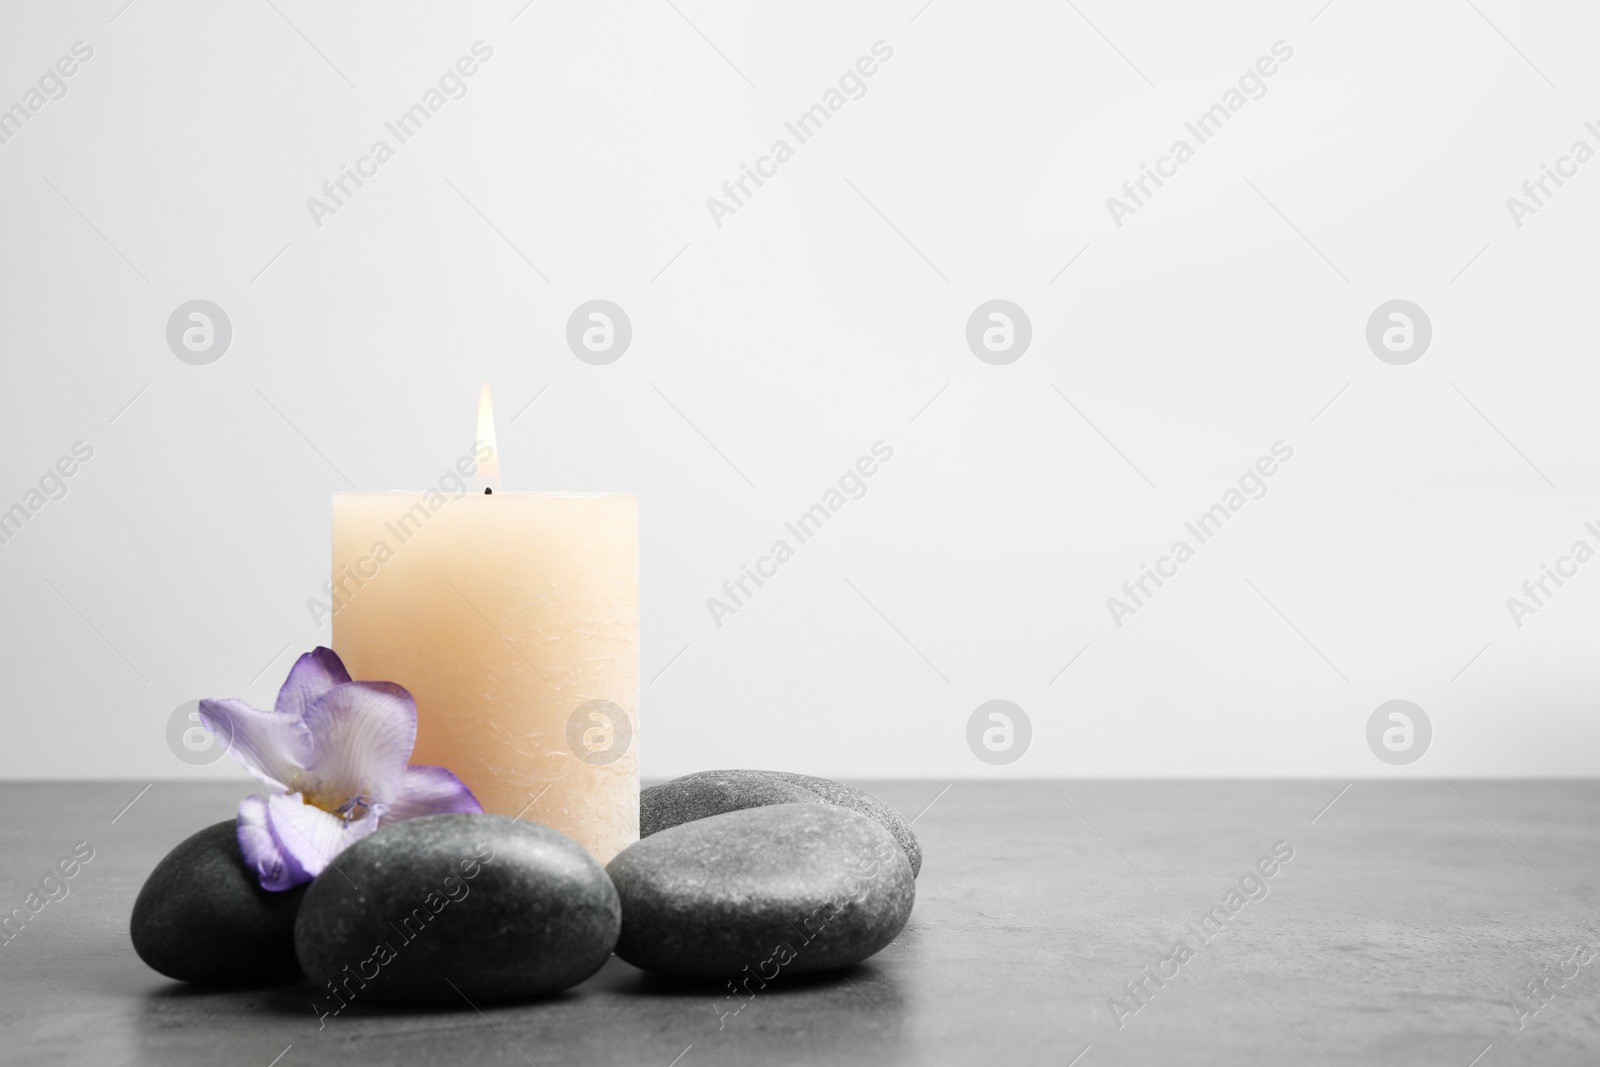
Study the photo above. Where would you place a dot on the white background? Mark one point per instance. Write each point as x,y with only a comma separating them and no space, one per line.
824,316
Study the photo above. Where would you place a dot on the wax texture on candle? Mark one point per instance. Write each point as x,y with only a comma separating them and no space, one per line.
513,619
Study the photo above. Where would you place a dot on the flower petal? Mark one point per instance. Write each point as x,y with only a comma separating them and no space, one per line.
310,837
275,748
430,791
363,733
312,675
275,869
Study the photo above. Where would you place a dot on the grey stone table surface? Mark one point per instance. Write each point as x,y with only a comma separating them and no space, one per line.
1409,922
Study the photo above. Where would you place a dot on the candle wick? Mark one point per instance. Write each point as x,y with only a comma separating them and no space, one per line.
487,491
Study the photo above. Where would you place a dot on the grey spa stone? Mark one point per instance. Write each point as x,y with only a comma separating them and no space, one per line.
449,909
783,888
706,793
203,917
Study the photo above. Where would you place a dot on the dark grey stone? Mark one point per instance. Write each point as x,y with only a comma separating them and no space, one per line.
848,796
708,793
747,895
705,793
453,908
202,916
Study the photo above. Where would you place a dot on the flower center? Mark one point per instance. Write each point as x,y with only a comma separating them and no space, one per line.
349,809
354,808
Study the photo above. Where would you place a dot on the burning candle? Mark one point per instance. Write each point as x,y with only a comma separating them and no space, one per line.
513,619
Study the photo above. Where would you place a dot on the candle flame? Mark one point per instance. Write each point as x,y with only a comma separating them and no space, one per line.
488,469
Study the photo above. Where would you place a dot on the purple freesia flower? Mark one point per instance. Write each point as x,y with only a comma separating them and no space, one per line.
331,758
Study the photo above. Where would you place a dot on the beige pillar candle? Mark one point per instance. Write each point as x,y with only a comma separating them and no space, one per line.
513,618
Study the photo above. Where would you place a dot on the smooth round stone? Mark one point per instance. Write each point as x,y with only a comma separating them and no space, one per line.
451,907
202,916
848,796
707,793
784,888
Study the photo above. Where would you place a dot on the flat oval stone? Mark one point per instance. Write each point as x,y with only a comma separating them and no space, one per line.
448,908
202,916
790,888
707,793
848,796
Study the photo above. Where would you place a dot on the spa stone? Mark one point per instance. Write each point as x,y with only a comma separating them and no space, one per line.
777,889
706,793
454,909
203,917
